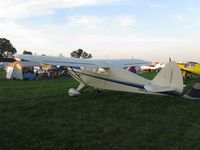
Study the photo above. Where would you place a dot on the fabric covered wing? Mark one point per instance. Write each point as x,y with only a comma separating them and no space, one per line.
77,62
64,61
123,63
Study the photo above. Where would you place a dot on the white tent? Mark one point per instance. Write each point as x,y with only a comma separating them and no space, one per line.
21,70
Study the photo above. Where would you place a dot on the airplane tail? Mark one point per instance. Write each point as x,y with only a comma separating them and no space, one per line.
169,79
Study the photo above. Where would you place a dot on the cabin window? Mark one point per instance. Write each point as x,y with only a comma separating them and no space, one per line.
94,70
89,69
101,71
190,65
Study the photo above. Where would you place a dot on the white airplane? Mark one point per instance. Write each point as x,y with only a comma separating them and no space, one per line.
110,75
157,66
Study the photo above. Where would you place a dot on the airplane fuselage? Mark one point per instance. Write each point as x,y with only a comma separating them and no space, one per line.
114,78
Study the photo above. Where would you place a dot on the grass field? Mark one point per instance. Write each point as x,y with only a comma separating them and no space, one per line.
2,74
41,115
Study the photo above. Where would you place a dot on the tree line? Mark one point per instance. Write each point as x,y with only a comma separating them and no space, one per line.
7,51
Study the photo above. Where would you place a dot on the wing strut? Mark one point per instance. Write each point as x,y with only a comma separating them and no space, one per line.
75,75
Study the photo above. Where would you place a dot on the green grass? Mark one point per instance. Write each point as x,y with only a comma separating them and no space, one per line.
149,75
2,74
41,115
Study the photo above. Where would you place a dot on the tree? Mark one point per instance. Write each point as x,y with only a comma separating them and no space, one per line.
27,52
6,49
80,54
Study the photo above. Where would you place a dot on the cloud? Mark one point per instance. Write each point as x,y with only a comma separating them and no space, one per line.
87,21
25,37
190,9
90,21
53,40
22,9
124,21
72,35
180,19
158,5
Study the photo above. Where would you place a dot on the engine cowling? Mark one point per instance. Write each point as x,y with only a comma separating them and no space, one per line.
73,92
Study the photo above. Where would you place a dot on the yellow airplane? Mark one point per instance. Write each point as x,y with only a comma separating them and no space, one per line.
189,69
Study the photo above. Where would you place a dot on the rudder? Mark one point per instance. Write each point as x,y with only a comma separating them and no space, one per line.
170,77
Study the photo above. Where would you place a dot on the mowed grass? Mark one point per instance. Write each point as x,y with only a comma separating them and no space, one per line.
41,115
2,74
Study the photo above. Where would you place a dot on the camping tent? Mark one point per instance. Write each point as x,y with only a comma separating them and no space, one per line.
194,93
21,70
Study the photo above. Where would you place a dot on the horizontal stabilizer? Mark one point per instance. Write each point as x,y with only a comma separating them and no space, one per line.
156,88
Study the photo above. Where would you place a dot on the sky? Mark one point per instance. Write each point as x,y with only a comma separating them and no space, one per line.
152,30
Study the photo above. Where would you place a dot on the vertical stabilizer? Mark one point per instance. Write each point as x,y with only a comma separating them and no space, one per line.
168,79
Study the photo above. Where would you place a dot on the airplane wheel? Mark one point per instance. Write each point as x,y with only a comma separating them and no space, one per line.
73,92
98,90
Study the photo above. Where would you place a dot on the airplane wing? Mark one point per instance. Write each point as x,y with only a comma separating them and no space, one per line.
123,63
190,67
63,61
78,62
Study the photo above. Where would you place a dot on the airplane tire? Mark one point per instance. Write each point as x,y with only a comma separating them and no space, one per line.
73,92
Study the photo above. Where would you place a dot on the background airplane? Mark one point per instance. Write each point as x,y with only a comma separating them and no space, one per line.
189,69
156,66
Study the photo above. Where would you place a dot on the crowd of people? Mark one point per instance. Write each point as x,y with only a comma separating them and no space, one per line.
39,73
